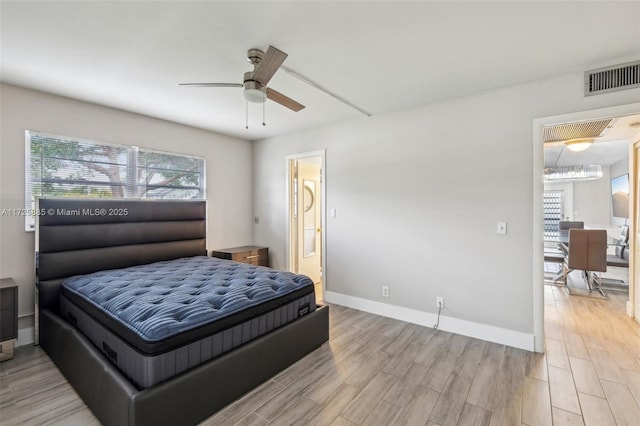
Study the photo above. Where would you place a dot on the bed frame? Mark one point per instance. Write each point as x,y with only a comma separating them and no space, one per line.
79,236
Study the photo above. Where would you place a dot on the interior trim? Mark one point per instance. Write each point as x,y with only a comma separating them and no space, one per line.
486,332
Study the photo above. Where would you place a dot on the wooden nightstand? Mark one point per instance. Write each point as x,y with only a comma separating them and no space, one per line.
8,317
255,255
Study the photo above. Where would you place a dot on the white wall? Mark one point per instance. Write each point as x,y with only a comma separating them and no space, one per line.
592,201
418,194
228,168
618,169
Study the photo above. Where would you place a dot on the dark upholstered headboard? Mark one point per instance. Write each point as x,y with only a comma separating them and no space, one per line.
79,236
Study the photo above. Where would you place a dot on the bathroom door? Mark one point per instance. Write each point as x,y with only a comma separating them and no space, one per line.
309,256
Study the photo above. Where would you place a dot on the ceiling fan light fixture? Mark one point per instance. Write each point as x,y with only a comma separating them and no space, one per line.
256,96
577,145
254,92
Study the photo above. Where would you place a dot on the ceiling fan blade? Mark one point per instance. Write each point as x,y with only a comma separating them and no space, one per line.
284,100
269,65
211,84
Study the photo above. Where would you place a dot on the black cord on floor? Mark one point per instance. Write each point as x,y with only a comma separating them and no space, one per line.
438,322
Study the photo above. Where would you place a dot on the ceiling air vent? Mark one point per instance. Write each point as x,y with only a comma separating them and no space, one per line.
575,130
611,79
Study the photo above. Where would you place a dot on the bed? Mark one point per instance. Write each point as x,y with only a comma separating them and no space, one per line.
125,381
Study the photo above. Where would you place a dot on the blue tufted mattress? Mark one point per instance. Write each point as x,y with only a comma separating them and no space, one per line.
157,320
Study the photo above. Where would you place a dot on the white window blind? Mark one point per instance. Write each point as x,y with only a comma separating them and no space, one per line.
58,166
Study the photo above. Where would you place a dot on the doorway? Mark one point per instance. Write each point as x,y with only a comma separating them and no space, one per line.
305,217
538,202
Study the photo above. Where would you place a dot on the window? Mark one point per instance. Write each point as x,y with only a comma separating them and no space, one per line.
58,166
553,204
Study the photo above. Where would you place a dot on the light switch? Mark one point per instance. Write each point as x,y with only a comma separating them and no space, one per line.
332,213
502,228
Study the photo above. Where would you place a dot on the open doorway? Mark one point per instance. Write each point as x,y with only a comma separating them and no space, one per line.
305,217
586,185
577,199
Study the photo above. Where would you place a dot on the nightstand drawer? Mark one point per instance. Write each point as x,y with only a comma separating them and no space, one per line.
8,325
7,298
8,317
254,255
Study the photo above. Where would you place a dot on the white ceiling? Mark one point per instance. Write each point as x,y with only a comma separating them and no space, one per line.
383,56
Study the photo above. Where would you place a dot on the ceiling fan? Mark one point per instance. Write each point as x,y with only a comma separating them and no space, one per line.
255,82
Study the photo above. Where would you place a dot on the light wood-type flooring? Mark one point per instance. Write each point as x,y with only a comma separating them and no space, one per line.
379,371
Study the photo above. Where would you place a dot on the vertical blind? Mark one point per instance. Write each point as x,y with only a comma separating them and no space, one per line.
58,166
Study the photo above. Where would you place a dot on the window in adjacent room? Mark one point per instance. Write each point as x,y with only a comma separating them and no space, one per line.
59,166
553,204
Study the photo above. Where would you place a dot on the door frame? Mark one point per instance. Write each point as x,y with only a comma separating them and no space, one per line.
633,304
323,209
538,217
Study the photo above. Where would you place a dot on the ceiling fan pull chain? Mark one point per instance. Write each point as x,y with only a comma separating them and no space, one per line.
264,102
246,115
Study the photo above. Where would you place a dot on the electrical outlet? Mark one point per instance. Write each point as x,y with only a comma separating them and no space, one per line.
439,302
385,291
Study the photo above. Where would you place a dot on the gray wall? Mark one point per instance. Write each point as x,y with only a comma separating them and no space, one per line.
418,194
228,166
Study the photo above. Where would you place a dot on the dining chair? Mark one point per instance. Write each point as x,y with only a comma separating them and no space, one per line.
588,253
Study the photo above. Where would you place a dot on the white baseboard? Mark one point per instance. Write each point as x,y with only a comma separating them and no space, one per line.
630,309
467,328
489,333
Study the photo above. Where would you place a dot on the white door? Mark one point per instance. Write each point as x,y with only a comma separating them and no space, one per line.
309,238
